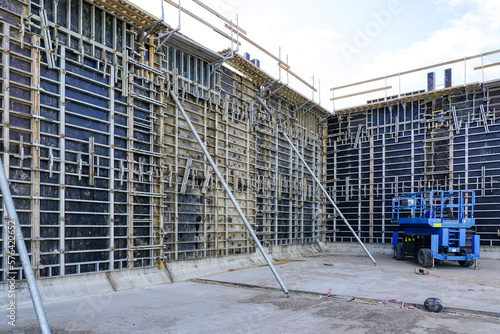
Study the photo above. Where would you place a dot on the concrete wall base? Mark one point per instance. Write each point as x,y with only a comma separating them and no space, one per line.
487,252
106,282
355,248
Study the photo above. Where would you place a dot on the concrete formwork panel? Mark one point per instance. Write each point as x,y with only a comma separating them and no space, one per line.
105,172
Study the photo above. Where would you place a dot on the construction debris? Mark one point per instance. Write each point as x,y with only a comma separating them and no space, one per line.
421,271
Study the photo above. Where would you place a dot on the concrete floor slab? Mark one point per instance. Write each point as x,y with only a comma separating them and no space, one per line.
356,276
193,307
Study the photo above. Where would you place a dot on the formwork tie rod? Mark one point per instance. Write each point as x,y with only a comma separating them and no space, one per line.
329,198
23,253
229,193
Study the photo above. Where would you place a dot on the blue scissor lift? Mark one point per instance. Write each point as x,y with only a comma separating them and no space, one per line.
435,225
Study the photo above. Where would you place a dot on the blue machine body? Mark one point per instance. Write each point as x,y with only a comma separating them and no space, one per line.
445,216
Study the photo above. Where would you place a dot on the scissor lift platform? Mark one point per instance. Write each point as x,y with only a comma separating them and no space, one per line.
435,227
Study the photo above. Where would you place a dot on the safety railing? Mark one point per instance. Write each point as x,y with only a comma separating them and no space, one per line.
445,205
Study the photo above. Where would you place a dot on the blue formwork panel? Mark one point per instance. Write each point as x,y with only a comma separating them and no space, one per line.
473,150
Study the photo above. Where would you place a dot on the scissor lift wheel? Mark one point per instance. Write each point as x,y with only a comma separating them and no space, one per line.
466,263
398,252
424,257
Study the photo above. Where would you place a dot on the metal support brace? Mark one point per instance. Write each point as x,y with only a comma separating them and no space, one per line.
169,34
47,39
483,117
267,85
167,37
80,165
403,105
194,178
483,181
229,193
278,89
186,176
225,109
216,65
51,161
149,30
23,253
250,116
328,196
23,29
122,172
303,104
208,178
21,150
358,135
396,126
91,161
230,54
264,105
236,182
324,119
309,109
455,119
170,177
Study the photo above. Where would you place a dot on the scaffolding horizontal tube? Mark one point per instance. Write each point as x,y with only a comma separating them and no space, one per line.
361,93
418,69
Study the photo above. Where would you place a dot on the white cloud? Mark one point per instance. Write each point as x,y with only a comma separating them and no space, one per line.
476,31
310,51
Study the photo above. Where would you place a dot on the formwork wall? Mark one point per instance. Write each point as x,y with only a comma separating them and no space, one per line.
104,171
289,202
441,140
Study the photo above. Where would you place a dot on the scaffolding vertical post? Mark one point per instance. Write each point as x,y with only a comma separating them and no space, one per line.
482,71
228,191
465,73
23,253
329,198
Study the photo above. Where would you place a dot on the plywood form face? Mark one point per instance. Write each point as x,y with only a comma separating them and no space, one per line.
377,154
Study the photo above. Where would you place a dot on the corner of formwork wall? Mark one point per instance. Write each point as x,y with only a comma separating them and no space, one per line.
324,131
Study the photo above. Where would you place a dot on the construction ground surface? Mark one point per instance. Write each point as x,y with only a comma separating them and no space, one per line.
362,298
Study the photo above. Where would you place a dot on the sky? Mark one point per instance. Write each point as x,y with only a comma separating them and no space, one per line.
337,42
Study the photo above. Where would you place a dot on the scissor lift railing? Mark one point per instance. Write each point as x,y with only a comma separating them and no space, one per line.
431,208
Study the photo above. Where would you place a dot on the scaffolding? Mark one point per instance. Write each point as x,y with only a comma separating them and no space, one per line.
106,175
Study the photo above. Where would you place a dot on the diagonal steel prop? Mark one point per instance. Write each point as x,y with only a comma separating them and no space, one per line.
229,193
328,196
23,253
